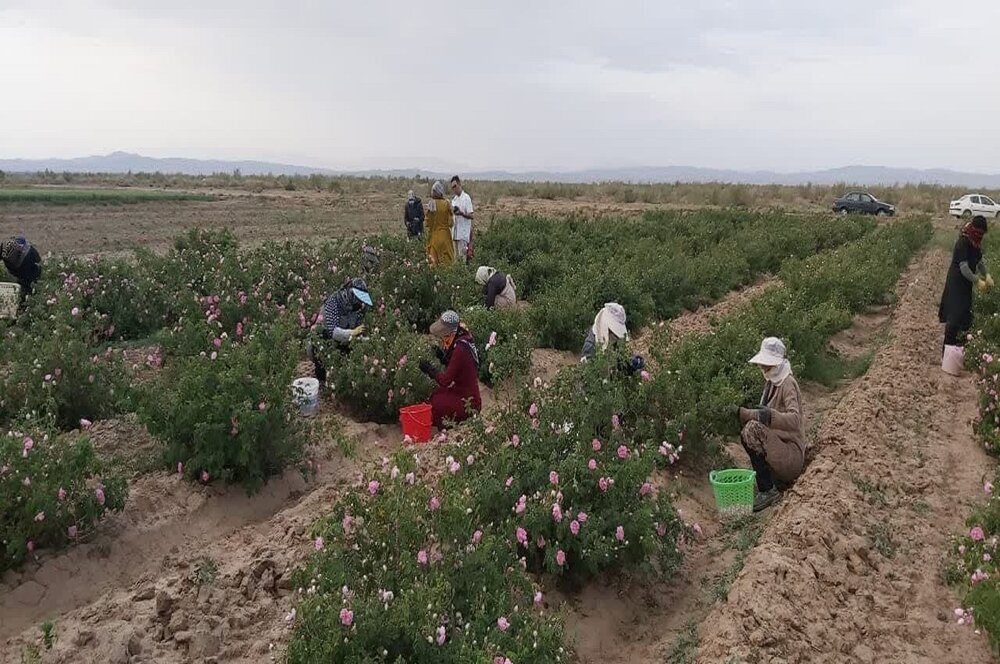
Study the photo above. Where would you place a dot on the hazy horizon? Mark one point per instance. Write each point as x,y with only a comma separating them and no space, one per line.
781,86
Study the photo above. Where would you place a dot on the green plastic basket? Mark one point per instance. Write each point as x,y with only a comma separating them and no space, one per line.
734,491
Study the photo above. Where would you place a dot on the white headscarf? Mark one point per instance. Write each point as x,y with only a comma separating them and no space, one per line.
483,274
410,195
437,190
609,320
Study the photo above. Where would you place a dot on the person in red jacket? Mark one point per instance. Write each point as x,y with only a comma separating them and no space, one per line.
456,397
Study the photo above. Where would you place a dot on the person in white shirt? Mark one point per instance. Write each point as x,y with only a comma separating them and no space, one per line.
461,206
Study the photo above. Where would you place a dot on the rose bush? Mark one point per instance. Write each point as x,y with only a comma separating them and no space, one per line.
504,339
227,413
53,490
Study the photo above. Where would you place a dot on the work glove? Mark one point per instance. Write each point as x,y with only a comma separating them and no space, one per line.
764,416
428,369
745,415
357,332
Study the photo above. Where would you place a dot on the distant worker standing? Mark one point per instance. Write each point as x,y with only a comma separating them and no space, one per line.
413,215
967,268
22,261
461,205
440,246
498,288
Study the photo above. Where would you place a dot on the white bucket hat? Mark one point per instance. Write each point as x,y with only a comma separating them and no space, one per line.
772,353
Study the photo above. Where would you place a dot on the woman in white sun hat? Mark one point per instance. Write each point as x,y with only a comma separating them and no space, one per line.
773,434
608,330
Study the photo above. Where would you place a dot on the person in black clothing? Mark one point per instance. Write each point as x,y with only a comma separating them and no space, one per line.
413,215
22,261
498,288
342,315
967,268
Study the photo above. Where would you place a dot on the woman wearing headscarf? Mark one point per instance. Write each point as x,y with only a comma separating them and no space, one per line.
607,331
22,261
456,396
440,220
773,434
343,313
967,268
498,288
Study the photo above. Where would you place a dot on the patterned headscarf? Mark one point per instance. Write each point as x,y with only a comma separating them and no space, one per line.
7,247
437,190
974,231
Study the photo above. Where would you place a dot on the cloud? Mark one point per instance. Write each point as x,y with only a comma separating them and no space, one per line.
518,85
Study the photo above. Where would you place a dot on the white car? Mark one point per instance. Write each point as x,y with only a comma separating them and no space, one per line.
974,205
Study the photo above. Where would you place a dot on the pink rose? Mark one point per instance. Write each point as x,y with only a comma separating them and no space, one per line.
217,342
560,557
40,516
402,361
574,527
346,617
620,534
318,544
454,467
538,598
596,445
645,489
477,536
557,515
515,440
441,635
204,477
99,493
540,542
603,484
71,532
645,375
410,478
661,529
553,477
510,480
533,410
502,624
592,464
421,557
434,504
75,311
262,406
31,546
615,422
61,494
522,536
582,517
373,487
623,452
85,424
535,424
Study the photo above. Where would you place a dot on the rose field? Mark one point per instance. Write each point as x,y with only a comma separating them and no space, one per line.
162,500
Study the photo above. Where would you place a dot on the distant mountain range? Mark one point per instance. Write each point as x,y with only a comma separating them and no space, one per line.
124,162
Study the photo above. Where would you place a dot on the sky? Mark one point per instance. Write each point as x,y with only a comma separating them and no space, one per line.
783,85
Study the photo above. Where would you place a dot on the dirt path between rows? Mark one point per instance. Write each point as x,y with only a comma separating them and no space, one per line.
849,566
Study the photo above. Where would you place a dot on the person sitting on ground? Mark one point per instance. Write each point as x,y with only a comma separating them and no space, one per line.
608,330
22,261
498,288
773,434
413,214
440,220
343,312
967,268
456,396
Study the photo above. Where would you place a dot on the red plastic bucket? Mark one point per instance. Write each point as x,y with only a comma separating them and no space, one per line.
416,422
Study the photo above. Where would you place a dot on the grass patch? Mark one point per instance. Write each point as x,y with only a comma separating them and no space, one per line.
874,495
830,369
743,536
205,572
880,539
53,196
685,648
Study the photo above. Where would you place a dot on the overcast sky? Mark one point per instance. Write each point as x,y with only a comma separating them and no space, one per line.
775,84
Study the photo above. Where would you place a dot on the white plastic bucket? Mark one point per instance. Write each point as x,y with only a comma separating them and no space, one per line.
953,360
305,394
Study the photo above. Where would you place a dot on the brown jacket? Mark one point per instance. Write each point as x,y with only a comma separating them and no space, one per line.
785,442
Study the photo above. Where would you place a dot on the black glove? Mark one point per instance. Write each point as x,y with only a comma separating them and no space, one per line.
439,354
764,416
428,368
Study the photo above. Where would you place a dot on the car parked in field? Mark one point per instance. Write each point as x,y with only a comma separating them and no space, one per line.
974,205
863,203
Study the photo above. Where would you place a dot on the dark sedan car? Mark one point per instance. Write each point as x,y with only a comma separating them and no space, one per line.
863,203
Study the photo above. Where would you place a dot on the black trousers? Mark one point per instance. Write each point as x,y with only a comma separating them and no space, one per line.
954,333
764,480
